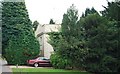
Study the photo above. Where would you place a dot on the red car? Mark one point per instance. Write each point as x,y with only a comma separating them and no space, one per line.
40,61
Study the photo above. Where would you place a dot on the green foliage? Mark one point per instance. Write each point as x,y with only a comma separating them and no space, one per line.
12,14
59,62
54,39
99,36
94,37
51,21
35,25
66,43
109,64
91,43
69,22
17,34
112,11
22,48
89,11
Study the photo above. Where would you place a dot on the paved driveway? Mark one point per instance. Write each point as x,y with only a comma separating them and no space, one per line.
4,69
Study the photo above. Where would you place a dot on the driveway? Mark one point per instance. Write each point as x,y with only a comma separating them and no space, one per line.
27,67
4,68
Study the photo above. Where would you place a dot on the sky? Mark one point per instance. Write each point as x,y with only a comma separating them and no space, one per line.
44,10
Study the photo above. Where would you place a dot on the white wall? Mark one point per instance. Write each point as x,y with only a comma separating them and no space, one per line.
46,47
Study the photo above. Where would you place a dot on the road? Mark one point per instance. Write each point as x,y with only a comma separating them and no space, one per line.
4,69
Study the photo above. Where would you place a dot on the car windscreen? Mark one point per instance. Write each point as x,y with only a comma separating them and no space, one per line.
42,58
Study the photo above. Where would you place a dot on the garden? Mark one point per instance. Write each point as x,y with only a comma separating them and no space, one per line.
88,43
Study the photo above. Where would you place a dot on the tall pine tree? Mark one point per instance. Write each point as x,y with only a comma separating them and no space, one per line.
111,12
18,40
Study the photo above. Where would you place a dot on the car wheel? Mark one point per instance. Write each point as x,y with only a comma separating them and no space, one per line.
36,64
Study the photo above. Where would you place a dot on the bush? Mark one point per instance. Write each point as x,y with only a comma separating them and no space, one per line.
59,61
110,64
21,49
107,64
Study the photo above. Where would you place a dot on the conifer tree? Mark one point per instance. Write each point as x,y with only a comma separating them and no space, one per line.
35,25
18,40
51,21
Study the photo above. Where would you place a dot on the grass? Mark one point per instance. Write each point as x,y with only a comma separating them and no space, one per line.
46,70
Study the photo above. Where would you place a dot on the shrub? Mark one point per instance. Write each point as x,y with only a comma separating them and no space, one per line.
21,49
59,61
110,64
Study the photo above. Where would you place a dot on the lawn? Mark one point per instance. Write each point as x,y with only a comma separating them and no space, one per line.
45,71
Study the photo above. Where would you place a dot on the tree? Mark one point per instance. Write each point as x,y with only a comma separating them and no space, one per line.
69,25
51,21
89,11
65,42
101,39
17,33
54,39
111,12
35,25
69,21
21,48
93,41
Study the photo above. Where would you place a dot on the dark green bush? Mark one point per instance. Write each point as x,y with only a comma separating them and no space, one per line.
59,61
107,64
110,64
21,49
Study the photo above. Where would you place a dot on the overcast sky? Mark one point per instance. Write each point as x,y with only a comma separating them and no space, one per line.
44,10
